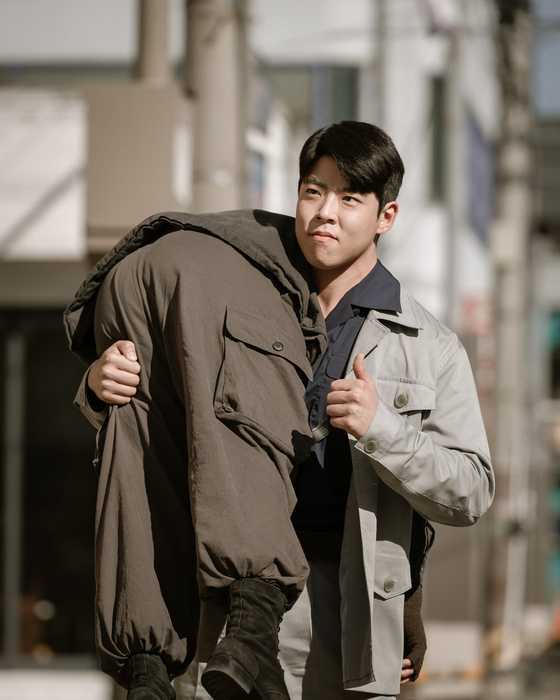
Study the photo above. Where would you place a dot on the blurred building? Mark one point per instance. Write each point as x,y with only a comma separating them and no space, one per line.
544,338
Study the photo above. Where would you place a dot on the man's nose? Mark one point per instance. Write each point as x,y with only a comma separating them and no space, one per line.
327,210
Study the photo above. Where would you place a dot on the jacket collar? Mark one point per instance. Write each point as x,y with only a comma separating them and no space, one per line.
407,317
373,330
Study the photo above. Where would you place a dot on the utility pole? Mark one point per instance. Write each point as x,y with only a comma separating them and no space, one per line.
216,81
453,168
380,79
152,61
510,235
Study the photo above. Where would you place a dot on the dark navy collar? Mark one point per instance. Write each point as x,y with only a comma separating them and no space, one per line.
378,290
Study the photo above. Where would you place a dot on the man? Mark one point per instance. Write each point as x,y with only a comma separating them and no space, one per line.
397,431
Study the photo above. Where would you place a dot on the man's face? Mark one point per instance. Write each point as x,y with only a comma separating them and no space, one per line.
335,227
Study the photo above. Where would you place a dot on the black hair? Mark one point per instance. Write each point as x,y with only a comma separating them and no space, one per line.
364,154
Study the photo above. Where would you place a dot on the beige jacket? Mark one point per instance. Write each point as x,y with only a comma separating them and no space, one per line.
425,449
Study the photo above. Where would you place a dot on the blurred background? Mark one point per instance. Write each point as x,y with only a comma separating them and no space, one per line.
112,111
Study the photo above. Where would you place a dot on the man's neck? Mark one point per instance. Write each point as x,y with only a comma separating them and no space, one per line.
332,285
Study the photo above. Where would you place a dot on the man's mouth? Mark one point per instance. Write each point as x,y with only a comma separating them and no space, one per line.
322,235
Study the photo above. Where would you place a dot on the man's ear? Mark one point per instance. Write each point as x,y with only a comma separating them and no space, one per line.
387,218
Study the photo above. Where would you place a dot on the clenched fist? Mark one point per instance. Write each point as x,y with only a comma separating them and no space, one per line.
352,403
114,377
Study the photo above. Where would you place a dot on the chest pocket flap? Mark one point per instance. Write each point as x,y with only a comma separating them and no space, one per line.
264,336
406,395
261,384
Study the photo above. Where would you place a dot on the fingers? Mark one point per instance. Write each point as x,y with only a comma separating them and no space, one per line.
359,368
355,392
118,390
114,371
360,373
343,384
126,348
342,408
346,409
115,357
352,403
122,383
346,406
114,377
116,393
407,671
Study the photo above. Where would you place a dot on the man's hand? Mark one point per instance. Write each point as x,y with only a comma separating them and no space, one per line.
353,402
114,377
406,671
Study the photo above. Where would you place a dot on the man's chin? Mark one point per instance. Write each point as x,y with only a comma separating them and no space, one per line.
319,264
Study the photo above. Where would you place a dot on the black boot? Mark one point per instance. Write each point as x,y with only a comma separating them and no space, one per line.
245,663
147,679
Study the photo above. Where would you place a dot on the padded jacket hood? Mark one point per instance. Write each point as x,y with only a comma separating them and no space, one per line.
266,238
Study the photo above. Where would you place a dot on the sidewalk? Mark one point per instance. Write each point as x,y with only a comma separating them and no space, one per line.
31,684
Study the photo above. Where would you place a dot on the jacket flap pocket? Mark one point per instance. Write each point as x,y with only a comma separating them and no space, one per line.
268,338
405,394
392,575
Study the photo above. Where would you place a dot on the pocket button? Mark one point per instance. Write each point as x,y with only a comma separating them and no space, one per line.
277,346
401,400
388,585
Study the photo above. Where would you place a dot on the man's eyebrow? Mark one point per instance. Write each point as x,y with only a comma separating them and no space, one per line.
312,180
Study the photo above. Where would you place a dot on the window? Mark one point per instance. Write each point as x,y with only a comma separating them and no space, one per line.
46,448
317,95
554,340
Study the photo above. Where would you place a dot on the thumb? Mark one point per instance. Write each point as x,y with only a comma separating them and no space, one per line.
360,369
127,348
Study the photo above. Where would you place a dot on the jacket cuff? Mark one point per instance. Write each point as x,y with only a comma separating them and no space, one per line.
95,414
377,439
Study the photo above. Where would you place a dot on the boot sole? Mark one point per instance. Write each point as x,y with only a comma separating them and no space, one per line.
225,679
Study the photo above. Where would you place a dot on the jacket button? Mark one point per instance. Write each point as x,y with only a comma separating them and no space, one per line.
401,400
388,585
277,346
370,446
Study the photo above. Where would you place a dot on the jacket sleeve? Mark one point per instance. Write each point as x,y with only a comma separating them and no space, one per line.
95,414
444,469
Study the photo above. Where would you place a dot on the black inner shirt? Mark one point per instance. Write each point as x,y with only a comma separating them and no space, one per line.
323,480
